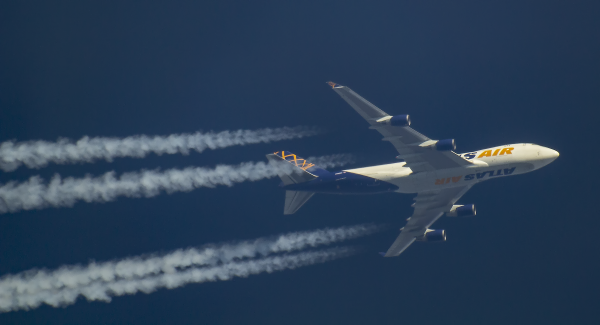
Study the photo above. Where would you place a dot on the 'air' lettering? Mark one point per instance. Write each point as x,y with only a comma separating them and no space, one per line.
506,151
487,153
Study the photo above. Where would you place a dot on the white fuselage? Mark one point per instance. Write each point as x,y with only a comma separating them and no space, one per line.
488,163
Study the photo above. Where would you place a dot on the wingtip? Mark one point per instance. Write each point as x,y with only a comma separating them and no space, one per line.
334,85
382,254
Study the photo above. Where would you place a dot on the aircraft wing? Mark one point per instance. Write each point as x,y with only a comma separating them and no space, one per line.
429,206
411,145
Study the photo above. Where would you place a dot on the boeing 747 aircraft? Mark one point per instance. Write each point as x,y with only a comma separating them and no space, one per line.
429,168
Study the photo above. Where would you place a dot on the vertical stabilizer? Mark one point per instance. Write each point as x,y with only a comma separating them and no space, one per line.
302,171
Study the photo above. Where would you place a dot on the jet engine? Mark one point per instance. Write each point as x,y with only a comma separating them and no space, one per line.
400,120
462,211
445,145
433,235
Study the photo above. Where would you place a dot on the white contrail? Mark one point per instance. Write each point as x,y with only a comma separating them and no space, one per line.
103,291
36,154
35,281
37,194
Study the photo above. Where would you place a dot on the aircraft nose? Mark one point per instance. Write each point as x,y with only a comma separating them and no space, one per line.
545,156
550,154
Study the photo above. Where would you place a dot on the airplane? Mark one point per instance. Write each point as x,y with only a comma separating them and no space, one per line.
429,168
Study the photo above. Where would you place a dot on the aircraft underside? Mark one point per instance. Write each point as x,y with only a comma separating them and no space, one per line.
353,183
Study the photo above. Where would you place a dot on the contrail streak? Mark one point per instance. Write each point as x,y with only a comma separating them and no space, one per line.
36,281
37,194
103,291
37,154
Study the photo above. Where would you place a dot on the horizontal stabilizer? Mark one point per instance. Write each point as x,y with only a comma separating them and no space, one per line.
302,171
294,200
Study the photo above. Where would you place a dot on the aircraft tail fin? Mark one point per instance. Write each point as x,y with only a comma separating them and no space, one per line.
303,171
294,200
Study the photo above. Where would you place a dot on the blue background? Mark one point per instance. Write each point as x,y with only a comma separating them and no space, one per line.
485,73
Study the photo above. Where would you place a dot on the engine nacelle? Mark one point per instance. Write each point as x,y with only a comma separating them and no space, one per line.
462,211
445,145
433,235
400,120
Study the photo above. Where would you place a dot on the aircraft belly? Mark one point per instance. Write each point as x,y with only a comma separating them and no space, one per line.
458,177
394,174
409,182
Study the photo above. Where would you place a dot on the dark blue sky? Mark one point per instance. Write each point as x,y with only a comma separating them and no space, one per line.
484,73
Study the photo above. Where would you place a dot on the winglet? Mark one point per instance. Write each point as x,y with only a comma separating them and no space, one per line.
334,85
